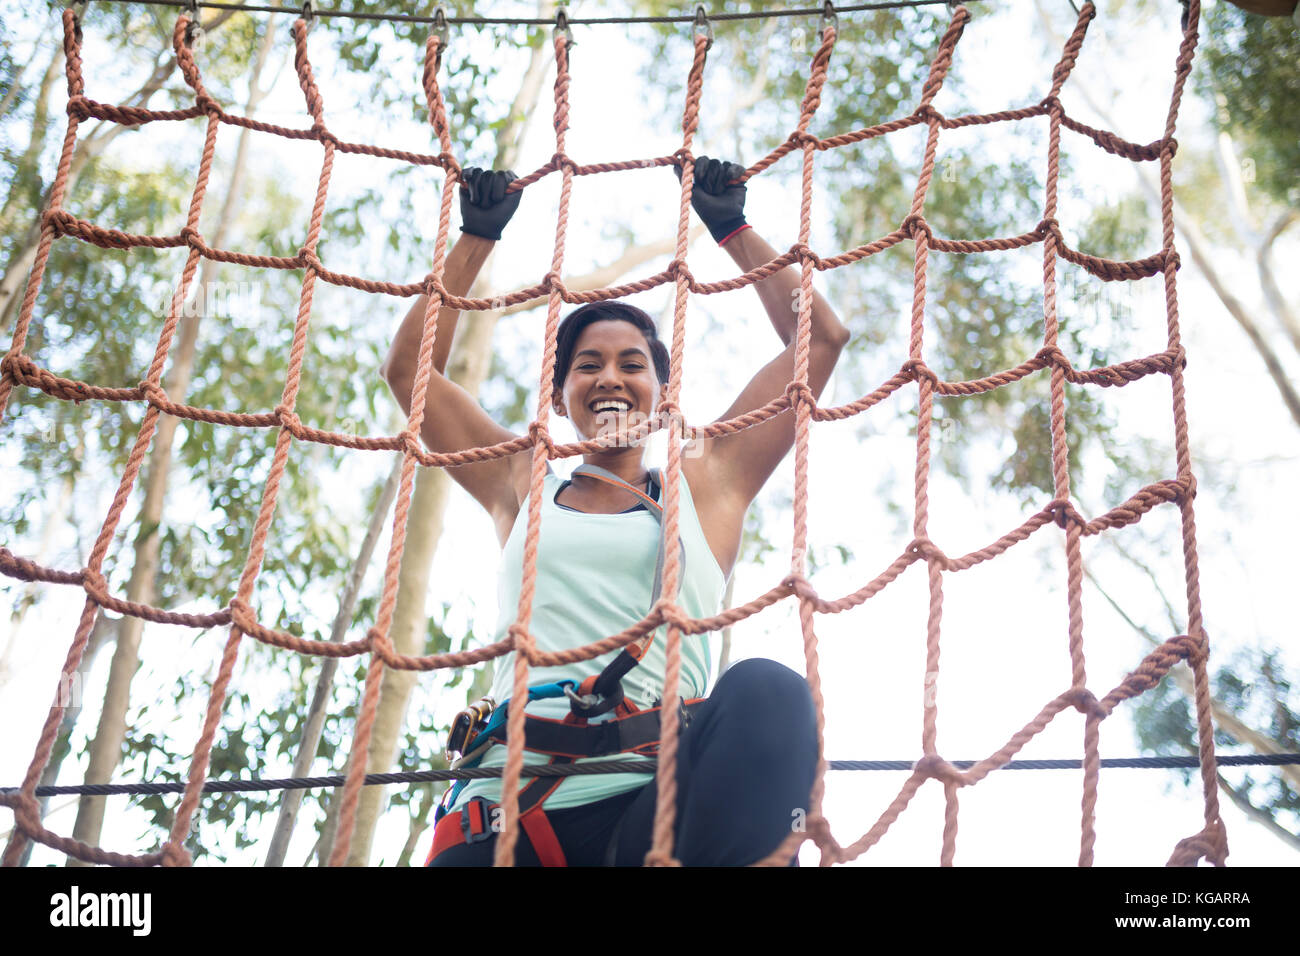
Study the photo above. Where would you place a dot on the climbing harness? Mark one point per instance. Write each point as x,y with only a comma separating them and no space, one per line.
628,729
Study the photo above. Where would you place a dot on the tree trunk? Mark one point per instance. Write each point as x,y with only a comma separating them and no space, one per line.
26,164
106,749
468,367
311,734
471,358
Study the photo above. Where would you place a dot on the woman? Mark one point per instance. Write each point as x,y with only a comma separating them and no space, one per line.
747,755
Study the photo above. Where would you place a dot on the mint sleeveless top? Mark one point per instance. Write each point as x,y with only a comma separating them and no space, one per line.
595,576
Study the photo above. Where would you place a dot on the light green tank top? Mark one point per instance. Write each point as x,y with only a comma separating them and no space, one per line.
595,575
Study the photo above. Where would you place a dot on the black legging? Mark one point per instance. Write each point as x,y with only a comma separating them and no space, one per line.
744,776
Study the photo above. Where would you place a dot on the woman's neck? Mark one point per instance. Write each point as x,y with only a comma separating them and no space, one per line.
627,463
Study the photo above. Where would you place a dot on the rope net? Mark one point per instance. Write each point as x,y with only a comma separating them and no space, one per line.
19,369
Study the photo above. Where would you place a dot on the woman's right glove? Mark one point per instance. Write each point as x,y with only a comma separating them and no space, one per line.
485,206
720,204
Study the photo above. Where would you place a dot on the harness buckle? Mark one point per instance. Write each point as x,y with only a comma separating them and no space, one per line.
485,819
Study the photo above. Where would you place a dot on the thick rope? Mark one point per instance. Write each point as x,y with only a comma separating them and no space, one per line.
17,368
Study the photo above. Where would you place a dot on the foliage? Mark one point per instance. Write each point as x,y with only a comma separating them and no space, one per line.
1256,687
1251,67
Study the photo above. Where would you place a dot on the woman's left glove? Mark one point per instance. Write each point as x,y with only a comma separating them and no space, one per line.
485,206
720,204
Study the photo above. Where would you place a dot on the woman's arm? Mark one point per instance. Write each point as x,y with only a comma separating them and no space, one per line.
453,420
742,463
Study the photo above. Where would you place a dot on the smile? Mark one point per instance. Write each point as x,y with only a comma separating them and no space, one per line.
611,405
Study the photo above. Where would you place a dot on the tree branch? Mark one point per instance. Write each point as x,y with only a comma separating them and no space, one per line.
1272,294
608,274
1259,815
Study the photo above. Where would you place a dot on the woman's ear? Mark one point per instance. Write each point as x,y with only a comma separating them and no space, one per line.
558,405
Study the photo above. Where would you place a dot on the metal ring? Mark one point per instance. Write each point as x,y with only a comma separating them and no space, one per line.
829,19
562,26
308,14
703,26
440,27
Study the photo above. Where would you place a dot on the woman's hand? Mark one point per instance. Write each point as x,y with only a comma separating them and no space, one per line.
485,206
716,200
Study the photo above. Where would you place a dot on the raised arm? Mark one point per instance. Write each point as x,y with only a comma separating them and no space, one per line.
743,462
453,419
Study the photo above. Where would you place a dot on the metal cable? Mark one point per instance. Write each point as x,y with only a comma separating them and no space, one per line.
621,766
539,21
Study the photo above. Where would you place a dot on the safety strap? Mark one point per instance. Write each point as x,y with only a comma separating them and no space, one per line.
605,691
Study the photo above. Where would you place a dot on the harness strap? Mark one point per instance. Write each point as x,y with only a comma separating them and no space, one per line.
604,692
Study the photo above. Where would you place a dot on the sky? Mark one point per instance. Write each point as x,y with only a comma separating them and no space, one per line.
1004,650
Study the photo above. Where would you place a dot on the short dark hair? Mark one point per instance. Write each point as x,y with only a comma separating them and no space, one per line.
571,327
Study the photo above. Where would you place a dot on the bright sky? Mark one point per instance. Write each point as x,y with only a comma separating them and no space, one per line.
1004,643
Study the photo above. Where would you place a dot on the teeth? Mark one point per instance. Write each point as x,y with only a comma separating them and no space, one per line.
610,406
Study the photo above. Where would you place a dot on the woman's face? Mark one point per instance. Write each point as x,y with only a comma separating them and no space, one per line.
611,382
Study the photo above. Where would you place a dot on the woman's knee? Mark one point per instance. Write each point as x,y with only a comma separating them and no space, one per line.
764,686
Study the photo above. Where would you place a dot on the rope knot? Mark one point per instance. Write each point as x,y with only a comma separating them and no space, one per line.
378,643
1048,227
562,162
804,139
410,443
927,549
1051,355
1211,843
1169,146
1063,512
241,615
210,106
932,765
917,369
1191,649
322,134
79,107
95,585
806,254
154,394
915,224
192,237
672,615
668,412
1050,104
928,113
519,638
799,393
1085,702
1173,258
20,367
538,432
288,419
800,585
60,220
678,269
683,158
554,282
448,162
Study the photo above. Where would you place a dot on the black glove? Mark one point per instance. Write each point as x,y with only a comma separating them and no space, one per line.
485,206
721,206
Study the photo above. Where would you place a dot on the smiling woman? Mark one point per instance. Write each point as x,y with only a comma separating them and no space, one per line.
748,753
